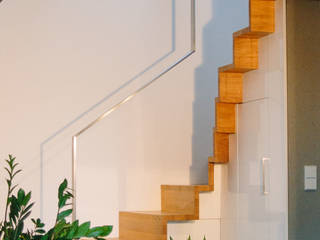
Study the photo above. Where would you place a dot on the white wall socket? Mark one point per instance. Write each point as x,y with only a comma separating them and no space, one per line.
310,178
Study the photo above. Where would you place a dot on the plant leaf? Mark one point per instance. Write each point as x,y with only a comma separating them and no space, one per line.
82,230
27,209
21,195
8,182
26,199
8,171
8,162
64,214
73,229
41,231
25,216
14,165
19,229
94,232
62,201
59,226
102,231
13,188
62,188
47,235
16,173
106,230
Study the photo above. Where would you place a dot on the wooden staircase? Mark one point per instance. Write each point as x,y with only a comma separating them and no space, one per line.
180,203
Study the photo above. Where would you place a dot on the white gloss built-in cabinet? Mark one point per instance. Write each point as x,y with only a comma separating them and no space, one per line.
254,184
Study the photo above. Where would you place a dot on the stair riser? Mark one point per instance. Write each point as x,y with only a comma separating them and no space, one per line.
142,227
221,147
230,87
225,117
181,199
211,175
245,53
262,16
149,226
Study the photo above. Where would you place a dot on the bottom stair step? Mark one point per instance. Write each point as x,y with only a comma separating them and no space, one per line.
147,225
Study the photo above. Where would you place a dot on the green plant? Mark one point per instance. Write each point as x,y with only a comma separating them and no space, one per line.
18,209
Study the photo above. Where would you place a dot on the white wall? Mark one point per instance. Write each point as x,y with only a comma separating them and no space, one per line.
303,115
248,214
65,62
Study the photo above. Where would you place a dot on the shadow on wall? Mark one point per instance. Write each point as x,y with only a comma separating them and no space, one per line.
65,130
216,51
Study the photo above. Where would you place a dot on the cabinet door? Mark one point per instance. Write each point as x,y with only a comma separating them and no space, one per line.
253,145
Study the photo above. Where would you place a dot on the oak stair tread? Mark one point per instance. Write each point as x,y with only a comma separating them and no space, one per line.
169,216
214,160
231,68
154,213
200,188
248,33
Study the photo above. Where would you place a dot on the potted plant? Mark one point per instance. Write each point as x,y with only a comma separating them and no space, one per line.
18,209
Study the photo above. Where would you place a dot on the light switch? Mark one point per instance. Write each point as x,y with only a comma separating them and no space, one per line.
310,178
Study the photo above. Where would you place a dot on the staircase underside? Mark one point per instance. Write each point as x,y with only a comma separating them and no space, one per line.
181,203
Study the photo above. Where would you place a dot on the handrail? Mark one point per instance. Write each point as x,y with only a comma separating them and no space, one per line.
123,101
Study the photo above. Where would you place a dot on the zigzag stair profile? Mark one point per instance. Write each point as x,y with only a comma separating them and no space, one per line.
180,203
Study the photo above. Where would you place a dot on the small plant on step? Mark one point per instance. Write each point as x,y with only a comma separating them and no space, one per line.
18,209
